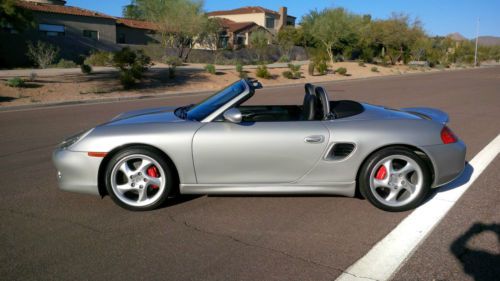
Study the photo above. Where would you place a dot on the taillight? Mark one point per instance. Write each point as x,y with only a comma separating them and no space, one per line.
447,136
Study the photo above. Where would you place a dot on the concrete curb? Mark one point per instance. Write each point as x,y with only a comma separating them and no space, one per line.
201,92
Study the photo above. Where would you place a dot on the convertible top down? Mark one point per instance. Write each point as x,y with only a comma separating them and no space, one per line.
392,157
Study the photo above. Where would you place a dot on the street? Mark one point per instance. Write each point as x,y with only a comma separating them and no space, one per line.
48,234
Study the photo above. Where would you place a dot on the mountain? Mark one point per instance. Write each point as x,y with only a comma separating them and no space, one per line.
489,41
456,36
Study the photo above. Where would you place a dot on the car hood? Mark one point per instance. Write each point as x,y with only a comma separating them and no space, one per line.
149,115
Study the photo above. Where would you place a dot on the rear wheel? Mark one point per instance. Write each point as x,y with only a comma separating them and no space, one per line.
395,179
138,179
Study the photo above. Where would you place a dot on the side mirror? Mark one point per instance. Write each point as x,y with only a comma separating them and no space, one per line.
233,115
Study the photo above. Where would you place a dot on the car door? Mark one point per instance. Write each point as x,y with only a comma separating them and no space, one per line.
257,152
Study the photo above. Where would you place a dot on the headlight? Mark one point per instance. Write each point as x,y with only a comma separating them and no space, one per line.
73,139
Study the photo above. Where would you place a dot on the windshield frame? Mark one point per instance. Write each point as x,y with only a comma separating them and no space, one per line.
246,94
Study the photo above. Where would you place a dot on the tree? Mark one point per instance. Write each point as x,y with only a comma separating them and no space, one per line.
180,23
395,35
331,28
42,54
259,41
287,38
14,16
132,11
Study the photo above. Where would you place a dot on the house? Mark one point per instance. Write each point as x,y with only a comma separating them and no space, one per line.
271,20
74,30
238,24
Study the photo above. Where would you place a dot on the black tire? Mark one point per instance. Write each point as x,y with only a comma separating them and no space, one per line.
373,162
153,154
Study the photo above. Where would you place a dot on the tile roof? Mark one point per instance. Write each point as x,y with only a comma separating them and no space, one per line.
244,10
60,9
139,24
235,26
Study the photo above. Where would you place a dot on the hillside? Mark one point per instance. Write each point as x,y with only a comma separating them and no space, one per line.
489,41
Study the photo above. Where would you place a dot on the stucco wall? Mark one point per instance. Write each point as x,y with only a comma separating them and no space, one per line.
134,36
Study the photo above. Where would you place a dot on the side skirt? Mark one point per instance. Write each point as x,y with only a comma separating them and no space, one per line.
337,188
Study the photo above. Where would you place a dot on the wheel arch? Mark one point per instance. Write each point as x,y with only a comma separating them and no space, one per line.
421,153
101,181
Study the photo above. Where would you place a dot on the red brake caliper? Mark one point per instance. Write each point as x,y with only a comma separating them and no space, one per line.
381,173
153,172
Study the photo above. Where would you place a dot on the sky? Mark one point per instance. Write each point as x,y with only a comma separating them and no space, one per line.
439,17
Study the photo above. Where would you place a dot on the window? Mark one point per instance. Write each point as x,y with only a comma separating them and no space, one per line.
9,28
121,38
51,29
269,22
91,34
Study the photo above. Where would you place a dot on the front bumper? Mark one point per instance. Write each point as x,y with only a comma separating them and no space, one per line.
448,161
76,171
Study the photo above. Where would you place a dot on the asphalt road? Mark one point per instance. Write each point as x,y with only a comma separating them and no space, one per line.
48,234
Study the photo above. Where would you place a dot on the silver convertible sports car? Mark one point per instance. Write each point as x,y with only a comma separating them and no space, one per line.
392,157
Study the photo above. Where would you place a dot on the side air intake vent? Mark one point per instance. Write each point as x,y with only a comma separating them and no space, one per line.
341,150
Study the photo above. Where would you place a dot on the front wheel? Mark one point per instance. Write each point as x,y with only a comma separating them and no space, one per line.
395,179
138,179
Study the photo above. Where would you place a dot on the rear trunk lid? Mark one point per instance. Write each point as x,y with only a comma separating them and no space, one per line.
428,113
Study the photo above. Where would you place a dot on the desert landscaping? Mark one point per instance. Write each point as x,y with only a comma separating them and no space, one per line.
63,85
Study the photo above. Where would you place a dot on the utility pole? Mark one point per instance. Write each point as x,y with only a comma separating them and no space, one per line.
477,39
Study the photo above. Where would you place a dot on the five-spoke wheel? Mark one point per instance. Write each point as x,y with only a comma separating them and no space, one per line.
138,179
395,179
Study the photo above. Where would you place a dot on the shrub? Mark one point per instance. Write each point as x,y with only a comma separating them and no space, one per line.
99,58
131,64
65,64
239,67
310,68
361,63
284,58
85,68
263,72
288,74
210,68
341,71
173,61
16,82
374,69
42,54
293,73
322,67
127,79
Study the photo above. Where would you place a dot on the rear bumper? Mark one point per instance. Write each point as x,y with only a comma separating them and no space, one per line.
448,161
76,171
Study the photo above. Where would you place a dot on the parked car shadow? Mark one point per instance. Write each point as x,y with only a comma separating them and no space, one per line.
480,264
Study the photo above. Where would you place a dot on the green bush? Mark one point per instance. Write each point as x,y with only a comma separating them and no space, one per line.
374,69
16,82
310,68
239,67
322,67
293,73
173,61
288,74
85,68
65,64
210,68
284,58
341,71
361,63
131,64
99,58
263,72
127,79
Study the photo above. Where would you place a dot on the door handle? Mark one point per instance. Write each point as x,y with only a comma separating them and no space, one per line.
314,139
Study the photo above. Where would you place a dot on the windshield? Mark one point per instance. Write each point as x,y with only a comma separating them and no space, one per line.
208,106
